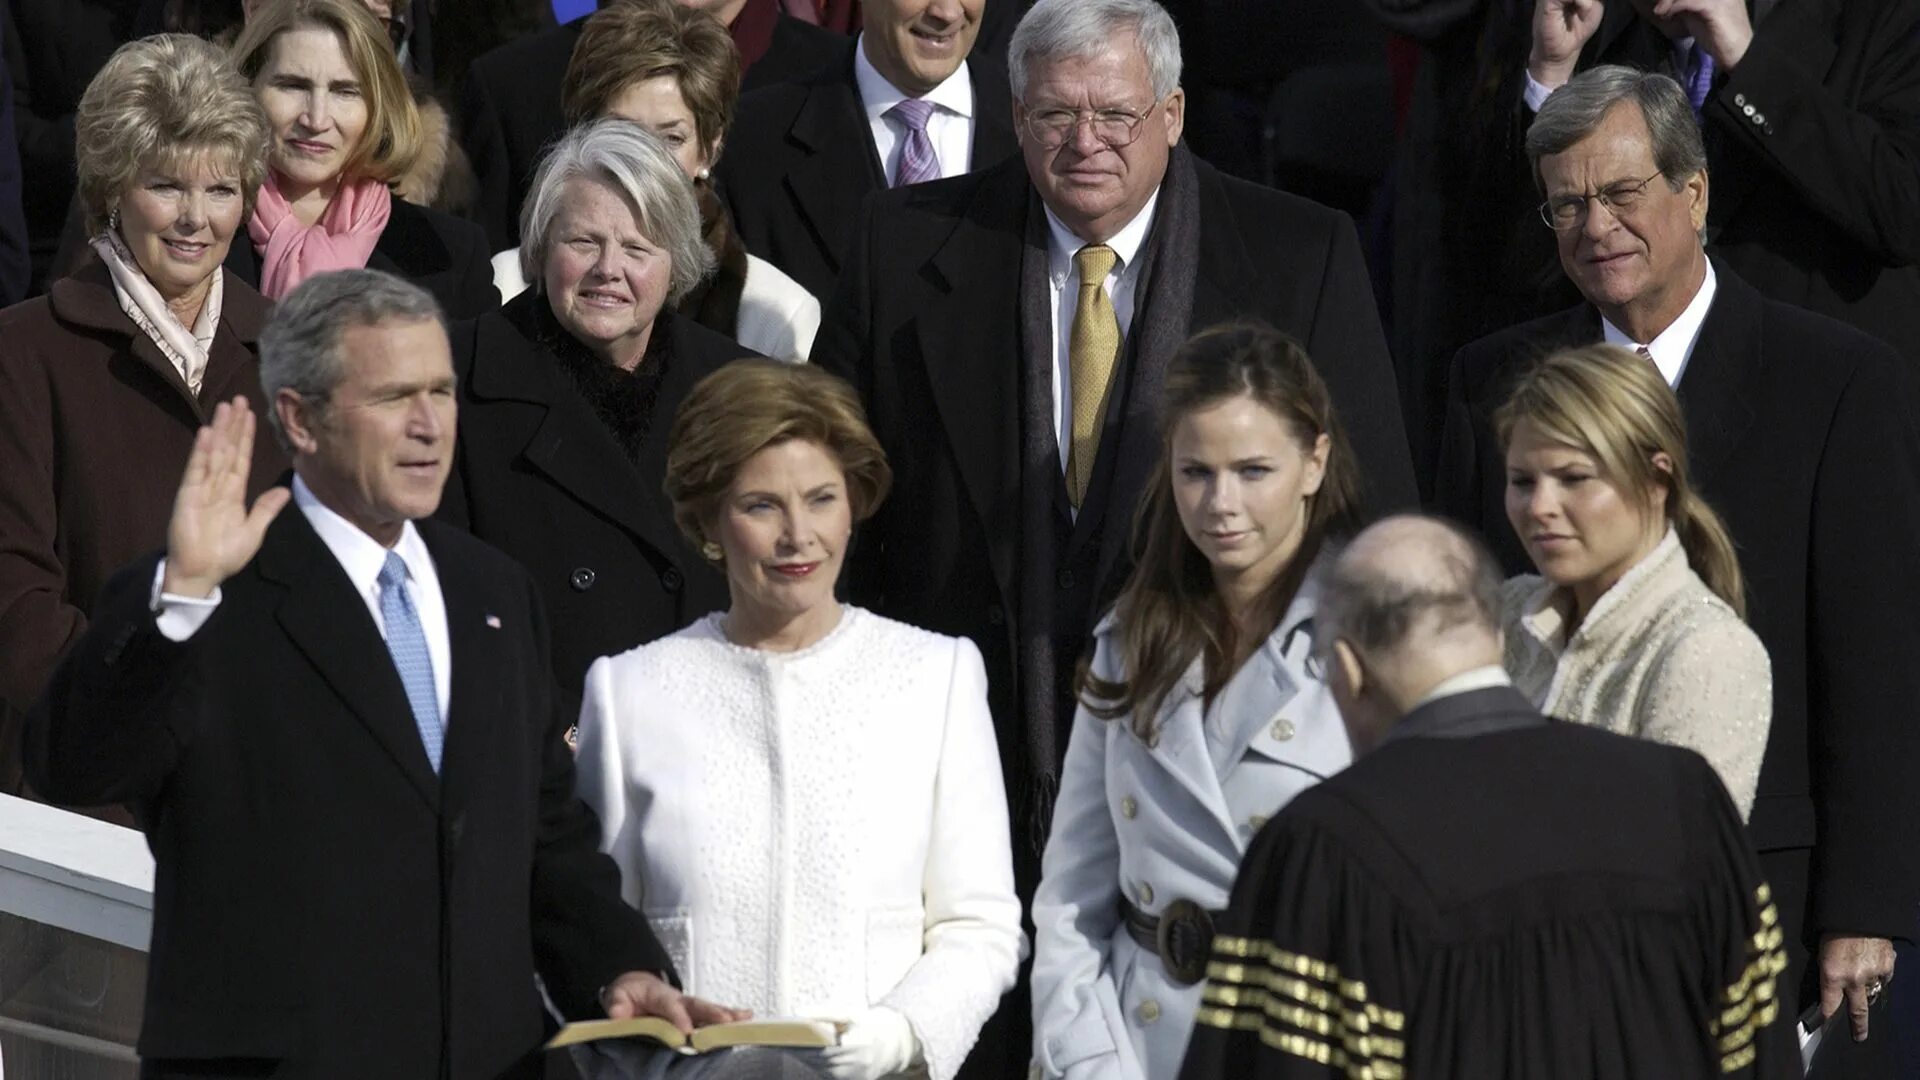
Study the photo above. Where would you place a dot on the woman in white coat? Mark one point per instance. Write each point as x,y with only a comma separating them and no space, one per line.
1201,713
804,797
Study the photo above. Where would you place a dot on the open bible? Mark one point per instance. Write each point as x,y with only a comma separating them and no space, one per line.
774,1031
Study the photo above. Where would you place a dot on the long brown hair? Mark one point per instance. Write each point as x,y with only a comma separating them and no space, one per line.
1610,404
1169,611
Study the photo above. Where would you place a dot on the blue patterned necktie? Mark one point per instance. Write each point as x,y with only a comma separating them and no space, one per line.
918,163
408,645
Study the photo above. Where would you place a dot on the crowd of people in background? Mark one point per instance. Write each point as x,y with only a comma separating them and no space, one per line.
1072,538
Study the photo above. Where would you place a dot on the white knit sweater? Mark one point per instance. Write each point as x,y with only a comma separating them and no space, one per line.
1659,656
811,833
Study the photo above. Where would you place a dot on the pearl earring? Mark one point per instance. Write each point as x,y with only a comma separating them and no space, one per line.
711,551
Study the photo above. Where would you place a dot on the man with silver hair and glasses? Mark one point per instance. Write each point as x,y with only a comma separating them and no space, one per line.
1803,436
342,731
1008,332
1485,892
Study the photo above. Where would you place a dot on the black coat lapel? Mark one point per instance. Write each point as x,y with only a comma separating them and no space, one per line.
993,135
1728,363
479,653
329,622
841,169
969,339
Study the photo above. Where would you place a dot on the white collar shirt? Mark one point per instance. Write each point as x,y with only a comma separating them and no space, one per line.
950,128
1672,347
1063,282
363,557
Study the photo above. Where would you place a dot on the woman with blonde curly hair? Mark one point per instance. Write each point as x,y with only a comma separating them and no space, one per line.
105,380
1634,622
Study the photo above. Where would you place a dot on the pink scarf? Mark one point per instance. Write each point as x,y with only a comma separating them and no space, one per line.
341,240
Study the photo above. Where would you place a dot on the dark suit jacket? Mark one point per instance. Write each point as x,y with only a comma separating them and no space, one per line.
799,162
926,324
1803,436
540,477
509,107
442,254
322,897
95,429
15,265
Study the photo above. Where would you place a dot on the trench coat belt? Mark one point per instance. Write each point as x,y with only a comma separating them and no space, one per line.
1181,936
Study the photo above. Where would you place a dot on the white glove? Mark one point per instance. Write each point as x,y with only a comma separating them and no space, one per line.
878,1043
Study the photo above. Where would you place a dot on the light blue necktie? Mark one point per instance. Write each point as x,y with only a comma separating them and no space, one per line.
408,644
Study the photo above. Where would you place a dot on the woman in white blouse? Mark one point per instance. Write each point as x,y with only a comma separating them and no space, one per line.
805,798
1634,623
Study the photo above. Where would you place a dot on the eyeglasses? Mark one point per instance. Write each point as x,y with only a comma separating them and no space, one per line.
1565,212
1053,128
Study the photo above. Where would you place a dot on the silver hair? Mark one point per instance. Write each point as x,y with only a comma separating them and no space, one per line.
629,157
300,345
1577,109
1378,613
1057,29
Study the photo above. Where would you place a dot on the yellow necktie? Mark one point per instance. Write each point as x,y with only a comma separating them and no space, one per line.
1091,351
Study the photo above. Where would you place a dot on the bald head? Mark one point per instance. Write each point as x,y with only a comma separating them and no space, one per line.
1411,602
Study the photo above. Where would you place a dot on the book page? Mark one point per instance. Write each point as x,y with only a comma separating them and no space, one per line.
647,1027
772,1031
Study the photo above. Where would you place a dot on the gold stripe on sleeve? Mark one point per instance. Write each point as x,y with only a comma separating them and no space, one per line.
1304,1006
1750,1003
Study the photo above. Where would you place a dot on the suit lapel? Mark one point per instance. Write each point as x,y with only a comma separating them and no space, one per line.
1728,362
993,135
841,167
479,653
329,623
970,342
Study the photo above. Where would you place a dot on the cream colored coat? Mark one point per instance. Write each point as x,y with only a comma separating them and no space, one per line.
1659,656
815,832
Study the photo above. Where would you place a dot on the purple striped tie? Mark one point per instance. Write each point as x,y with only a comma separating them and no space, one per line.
1699,77
917,159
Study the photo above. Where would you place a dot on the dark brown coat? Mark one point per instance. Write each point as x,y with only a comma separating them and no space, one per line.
95,429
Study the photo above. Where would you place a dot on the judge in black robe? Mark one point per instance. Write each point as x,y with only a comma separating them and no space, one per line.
1493,894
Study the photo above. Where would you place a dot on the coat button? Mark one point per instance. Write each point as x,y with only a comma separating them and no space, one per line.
1128,808
1759,118
1146,894
1064,579
1256,822
581,578
1149,1011
1746,110
671,580
1739,99
1282,729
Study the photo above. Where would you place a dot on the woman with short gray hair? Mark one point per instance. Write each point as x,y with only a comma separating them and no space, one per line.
567,393
105,380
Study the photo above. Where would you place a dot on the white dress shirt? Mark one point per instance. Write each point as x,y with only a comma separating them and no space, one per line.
1480,678
362,557
950,128
1672,347
1063,279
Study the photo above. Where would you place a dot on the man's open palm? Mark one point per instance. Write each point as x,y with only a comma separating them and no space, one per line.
213,533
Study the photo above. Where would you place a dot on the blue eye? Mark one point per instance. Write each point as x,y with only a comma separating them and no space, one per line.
1255,472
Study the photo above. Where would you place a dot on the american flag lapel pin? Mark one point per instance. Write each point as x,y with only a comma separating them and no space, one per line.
493,622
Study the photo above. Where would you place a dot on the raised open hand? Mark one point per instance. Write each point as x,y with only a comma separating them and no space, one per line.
1561,28
213,533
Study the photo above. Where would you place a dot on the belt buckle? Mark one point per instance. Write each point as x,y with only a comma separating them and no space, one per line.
1184,939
